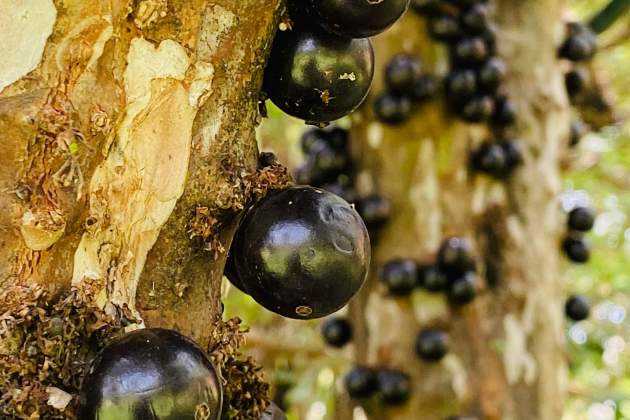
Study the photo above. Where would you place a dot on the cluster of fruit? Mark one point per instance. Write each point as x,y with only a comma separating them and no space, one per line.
329,166
579,46
406,86
322,63
473,86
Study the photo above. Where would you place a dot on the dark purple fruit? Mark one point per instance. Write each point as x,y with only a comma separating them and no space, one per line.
490,159
375,210
491,74
432,345
477,18
151,374
580,45
577,308
337,332
402,72
504,112
477,109
455,256
302,252
472,50
425,88
357,18
273,412
337,139
461,83
344,191
392,109
400,276
463,289
444,28
513,152
394,386
576,81
432,279
429,8
316,76
361,382
581,219
577,248
310,138
578,130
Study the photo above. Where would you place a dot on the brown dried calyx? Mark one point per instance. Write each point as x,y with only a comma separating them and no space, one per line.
46,345
245,392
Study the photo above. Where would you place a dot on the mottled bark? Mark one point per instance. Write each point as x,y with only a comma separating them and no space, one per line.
120,122
508,360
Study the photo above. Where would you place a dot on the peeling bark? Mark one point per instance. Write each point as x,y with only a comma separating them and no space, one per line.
119,120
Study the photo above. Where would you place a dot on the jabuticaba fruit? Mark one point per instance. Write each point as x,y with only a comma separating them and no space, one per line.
316,76
273,412
151,374
302,252
357,18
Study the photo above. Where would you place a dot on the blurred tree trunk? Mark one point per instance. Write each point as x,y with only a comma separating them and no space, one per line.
128,146
508,359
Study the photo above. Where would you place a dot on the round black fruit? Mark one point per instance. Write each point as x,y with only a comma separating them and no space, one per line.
357,18
375,210
461,83
402,72
337,332
577,308
471,50
316,76
392,109
455,255
576,81
425,88
492,73
273,412
432,345
463,289
581,219
400,276
302,252
432,279
504,112
513,151
477,109
394,386
361,382
490,159
579,47
151,374
444,28
577,248
477,18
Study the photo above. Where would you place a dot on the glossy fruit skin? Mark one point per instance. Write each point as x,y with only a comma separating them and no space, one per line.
461,83
432,279
455,256
273,412
302,252
402,72
580,44
344,191
576,81
513,152
425,88
400,276
472,50
477,109
432,345
394,386
444,29
577,308
337,332
504,112
392,109
375,211
316,76
134,376
581,219
577,248
477,18
491,74
490,159
361,382
357,18
463,289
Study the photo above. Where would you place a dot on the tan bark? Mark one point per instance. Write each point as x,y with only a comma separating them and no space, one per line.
119,120
508,360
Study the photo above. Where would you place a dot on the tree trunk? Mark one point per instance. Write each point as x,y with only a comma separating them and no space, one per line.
508,359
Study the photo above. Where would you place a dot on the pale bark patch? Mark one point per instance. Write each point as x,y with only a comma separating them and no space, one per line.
518,362
25,25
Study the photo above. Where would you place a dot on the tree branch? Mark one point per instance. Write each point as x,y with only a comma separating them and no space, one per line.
606,17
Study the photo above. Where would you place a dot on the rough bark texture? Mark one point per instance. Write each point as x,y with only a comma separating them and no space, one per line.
128,146
508,360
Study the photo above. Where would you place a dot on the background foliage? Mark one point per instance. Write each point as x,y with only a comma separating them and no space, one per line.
306,374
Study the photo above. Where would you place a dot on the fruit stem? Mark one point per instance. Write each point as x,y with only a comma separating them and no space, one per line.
608,15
